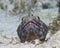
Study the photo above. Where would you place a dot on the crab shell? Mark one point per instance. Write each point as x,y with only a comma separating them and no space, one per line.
32,28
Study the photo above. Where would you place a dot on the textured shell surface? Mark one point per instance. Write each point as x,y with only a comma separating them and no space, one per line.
32,28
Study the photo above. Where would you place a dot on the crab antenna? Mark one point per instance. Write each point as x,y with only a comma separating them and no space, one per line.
58,4
29,11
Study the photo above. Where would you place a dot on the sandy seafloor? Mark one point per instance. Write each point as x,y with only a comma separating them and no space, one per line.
9,24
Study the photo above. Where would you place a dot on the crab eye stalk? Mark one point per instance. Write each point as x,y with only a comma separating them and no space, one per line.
22,19
38,17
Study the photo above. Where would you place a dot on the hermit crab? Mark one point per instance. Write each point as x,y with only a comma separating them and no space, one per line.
32,28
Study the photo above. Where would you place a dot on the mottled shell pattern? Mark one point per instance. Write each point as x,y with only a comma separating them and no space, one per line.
32,28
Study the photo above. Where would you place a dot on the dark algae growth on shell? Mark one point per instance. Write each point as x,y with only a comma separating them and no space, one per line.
32,28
